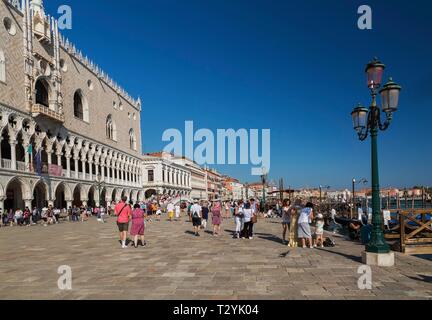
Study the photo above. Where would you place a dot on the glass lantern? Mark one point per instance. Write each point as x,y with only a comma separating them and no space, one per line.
390,96
360,118
374,71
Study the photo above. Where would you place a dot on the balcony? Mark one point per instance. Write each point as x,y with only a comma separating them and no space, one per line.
42,110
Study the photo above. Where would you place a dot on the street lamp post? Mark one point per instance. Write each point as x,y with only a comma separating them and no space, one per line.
368,122
264,181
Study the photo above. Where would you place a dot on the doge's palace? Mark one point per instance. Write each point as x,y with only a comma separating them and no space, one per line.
69,133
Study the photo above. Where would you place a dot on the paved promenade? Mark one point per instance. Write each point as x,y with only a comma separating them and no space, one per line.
177,265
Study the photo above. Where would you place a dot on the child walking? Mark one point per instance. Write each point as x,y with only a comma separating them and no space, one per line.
319,231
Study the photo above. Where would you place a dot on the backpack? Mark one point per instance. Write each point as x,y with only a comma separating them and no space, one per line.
329,242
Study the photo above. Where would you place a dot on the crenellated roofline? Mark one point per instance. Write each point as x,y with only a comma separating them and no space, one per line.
71,49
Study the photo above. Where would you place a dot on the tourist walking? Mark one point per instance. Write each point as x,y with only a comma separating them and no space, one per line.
177,212
123,212
304,231
56,213
19,217
196,213
75,213
49,216
216,218
319,231
227,210
205,214
286,219
26,216
247,226
238,218
170,209
138,225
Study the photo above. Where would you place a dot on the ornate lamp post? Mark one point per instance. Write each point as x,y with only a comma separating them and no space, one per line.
368,122
264,182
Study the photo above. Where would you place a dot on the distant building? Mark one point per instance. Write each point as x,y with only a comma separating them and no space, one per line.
214,184
163,176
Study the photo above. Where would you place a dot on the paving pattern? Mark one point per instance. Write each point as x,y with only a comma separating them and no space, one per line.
177,265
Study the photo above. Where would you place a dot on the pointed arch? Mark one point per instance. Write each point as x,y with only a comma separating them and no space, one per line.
81,108
111,128
42,92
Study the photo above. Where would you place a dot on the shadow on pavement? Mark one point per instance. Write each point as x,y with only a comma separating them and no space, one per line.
271,238
420,277
348,256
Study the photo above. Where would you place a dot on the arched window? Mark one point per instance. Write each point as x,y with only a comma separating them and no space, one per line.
111,131
2,67
78,106
42,93
81,110
132,139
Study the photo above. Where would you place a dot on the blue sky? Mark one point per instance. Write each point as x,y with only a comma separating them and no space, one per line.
295,67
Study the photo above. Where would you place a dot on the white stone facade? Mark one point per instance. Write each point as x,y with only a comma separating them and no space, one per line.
162,176
198,181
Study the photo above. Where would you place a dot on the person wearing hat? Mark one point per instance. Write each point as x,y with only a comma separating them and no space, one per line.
319,230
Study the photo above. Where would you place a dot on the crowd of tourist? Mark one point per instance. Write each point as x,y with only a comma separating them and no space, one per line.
296,219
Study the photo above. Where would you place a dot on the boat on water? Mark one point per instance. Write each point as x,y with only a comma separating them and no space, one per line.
345,221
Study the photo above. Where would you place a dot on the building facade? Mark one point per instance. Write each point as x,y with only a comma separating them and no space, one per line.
214,184
69,133
198,178
163,176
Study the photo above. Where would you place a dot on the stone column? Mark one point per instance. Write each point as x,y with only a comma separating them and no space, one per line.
118,175
68,204
97,170
26,159
59,159
83,169
68,171
13,144
49,156
2,204
90,170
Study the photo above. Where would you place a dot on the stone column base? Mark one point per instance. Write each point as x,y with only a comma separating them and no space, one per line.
378,259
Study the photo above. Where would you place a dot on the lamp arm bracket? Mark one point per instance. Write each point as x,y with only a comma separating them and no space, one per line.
384,126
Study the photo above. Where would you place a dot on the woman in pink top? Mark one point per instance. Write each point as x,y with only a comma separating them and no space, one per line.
216,218
138,225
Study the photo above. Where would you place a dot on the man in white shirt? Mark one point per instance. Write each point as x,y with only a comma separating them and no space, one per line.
196,217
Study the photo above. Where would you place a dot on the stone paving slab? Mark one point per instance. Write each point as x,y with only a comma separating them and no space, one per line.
176,265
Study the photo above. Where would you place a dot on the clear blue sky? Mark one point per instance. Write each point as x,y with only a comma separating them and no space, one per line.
296,67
